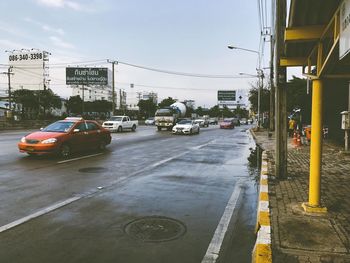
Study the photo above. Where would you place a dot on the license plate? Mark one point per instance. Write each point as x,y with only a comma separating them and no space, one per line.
30,149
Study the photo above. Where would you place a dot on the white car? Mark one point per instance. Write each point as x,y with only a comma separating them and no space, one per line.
202,122
186,127
150,121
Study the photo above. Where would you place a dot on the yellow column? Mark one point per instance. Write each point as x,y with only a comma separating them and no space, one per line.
314,204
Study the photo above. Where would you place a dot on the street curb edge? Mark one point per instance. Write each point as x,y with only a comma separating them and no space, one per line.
262,252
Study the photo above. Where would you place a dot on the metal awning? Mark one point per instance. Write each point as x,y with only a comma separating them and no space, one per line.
312,39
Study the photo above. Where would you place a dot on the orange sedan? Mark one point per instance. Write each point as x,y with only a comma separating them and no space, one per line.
65,137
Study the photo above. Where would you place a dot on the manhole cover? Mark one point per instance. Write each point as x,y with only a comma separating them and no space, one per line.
155,229
92,170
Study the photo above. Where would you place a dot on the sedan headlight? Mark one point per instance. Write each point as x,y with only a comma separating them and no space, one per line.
23,139
51,140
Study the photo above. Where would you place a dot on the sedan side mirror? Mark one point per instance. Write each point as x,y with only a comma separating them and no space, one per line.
76,130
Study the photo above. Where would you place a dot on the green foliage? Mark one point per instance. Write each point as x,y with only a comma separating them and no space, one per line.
215,111
227,113
241,113
47,99
264,99
199,111
297,97
27,98
166,102
147,108
74,105
100,106
189,111
35,103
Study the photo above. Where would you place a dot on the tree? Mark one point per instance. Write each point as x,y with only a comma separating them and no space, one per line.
98,106
147,108
298,98
28,100
264,99
214,111
166,102
47,99
189,111
226,112
241,113
74,105
199,111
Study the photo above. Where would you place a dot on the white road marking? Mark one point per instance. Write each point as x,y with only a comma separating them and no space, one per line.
38,213
215,245
79,158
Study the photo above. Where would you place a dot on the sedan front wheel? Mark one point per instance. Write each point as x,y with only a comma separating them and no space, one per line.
102,146
65,151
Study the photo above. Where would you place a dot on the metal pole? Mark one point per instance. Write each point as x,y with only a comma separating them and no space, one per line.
9,87
113,89
316,144
120,99
259,97
82,106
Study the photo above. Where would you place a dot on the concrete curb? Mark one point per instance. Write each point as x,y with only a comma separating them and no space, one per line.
262,252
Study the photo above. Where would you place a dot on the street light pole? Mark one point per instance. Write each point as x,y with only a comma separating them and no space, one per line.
259,75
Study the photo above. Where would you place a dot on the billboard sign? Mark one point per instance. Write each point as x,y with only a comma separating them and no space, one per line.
344,39
86,76
28,68
226,95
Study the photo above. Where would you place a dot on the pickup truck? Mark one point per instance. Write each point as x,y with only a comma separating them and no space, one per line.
119,124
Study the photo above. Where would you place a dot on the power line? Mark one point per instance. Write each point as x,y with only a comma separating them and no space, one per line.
180,73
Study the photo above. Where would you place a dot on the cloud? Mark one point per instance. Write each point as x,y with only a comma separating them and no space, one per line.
63,4
45,27
58,42
58,31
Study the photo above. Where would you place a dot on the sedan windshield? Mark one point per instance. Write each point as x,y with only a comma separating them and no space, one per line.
185,122
115,119
60,126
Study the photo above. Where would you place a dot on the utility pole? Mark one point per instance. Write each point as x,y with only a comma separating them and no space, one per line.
272,86
82,105
113,85
281,93
9,73
120,99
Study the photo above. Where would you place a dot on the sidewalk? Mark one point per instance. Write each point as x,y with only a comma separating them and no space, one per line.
295,235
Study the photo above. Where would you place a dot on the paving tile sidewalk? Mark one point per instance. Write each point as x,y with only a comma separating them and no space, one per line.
297,236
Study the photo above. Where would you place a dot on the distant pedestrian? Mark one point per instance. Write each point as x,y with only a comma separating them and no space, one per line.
291,127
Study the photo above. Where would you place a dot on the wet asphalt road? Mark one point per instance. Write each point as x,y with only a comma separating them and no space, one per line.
150,197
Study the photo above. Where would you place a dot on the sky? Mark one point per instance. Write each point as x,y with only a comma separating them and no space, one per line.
182,36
